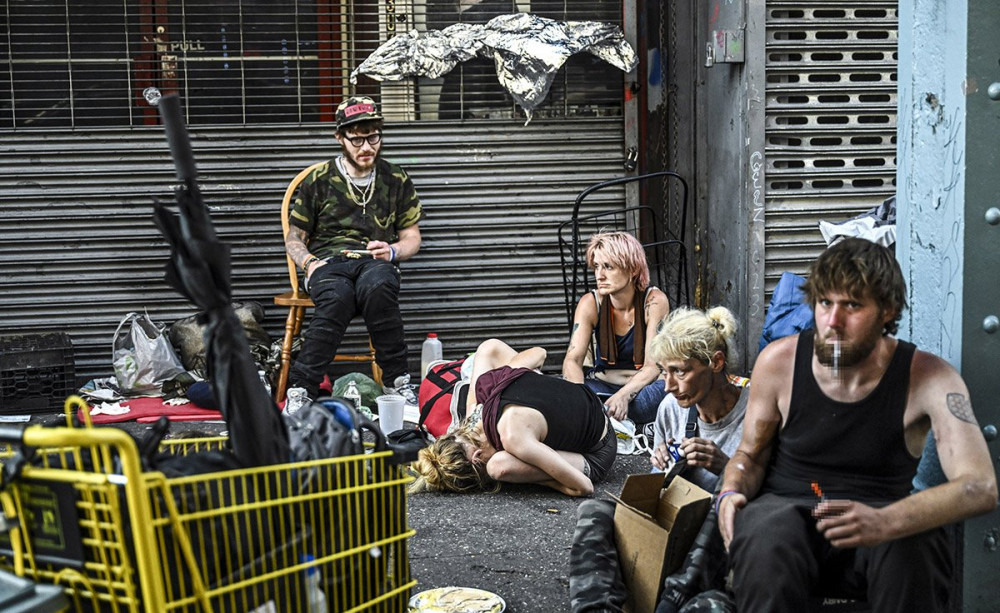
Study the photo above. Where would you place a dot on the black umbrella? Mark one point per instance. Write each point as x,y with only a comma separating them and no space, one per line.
199,269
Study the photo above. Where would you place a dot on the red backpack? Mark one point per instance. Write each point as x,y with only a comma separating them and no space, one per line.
440,406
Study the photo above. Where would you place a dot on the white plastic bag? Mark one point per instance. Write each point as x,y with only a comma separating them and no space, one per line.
629,441
142,355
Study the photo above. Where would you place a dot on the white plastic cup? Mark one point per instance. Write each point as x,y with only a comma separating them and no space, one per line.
390,412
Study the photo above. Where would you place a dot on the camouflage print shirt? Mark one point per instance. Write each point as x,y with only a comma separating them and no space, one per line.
334,221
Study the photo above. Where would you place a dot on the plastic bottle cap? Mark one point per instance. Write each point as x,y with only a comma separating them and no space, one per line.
432,335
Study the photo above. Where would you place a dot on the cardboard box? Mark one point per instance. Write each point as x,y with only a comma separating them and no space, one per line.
654,530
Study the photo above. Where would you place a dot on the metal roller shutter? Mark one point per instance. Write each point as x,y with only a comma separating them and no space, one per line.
830,124
78,248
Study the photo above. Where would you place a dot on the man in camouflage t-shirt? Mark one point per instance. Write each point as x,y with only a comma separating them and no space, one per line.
354,219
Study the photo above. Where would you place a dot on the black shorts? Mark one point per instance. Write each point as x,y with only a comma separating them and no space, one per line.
602,456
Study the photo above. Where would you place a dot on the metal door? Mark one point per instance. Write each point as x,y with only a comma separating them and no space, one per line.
981,295
830,121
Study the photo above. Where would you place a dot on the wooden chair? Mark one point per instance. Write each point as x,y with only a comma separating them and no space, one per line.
297,300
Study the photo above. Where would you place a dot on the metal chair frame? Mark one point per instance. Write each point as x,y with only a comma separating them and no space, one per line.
645,222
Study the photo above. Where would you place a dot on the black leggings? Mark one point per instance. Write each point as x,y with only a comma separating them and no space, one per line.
342,288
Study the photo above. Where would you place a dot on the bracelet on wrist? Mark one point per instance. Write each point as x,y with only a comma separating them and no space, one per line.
392,253
722,494
309,260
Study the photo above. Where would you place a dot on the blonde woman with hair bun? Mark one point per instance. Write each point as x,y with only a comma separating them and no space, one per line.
523,427
693,350
692,347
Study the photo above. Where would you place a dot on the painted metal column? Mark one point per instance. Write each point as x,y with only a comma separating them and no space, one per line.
980,341
949,221
930,176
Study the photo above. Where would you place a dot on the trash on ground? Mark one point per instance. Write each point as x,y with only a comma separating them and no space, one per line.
109,408
457,600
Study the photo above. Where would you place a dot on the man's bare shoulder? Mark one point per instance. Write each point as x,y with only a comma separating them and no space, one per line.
929,370
778,355
770,381
933,379
928,363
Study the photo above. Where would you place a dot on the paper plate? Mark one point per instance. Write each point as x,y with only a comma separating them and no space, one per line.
457,600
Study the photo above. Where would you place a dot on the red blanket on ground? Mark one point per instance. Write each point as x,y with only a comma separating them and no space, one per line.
150,409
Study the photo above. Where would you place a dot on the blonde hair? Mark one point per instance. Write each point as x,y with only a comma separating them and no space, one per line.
623,250
694,334
444,467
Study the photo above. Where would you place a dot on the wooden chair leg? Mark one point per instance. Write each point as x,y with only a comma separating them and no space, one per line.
300,314
376,370
292,322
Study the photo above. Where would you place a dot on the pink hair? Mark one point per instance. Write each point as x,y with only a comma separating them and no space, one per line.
623,250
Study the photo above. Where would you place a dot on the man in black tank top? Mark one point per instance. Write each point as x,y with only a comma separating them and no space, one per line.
816,500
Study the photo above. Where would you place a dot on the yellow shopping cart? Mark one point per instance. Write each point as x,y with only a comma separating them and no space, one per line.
328,535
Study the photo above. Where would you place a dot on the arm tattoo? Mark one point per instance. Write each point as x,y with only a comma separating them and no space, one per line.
575,326
295,244
960,407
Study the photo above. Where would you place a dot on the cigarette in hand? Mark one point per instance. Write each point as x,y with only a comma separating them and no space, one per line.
818,491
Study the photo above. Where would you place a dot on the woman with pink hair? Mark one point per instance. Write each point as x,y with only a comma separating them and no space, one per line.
618,320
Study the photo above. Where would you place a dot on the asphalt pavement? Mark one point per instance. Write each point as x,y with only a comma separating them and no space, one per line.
514,543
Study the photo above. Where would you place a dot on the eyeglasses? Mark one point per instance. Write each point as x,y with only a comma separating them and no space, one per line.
357,141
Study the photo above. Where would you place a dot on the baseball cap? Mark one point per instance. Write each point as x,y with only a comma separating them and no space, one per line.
355,109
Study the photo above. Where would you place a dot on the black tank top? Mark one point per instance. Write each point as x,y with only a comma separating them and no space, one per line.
574,414
854,450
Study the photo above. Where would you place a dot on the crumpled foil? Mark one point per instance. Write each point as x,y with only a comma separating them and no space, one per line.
528,51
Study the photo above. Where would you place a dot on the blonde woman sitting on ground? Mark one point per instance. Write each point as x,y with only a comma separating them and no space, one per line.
532,429
693,350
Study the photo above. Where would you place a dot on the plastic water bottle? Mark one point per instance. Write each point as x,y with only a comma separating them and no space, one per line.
353,394
314,593
430,351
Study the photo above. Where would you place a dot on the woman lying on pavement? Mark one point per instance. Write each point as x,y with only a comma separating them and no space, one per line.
531,428
618,319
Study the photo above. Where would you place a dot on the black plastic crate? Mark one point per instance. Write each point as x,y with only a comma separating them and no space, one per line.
37,372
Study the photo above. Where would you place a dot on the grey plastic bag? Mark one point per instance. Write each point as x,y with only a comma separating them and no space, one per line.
142,355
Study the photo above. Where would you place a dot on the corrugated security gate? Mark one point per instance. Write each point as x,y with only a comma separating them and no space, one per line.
830,122
78,248
82,157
